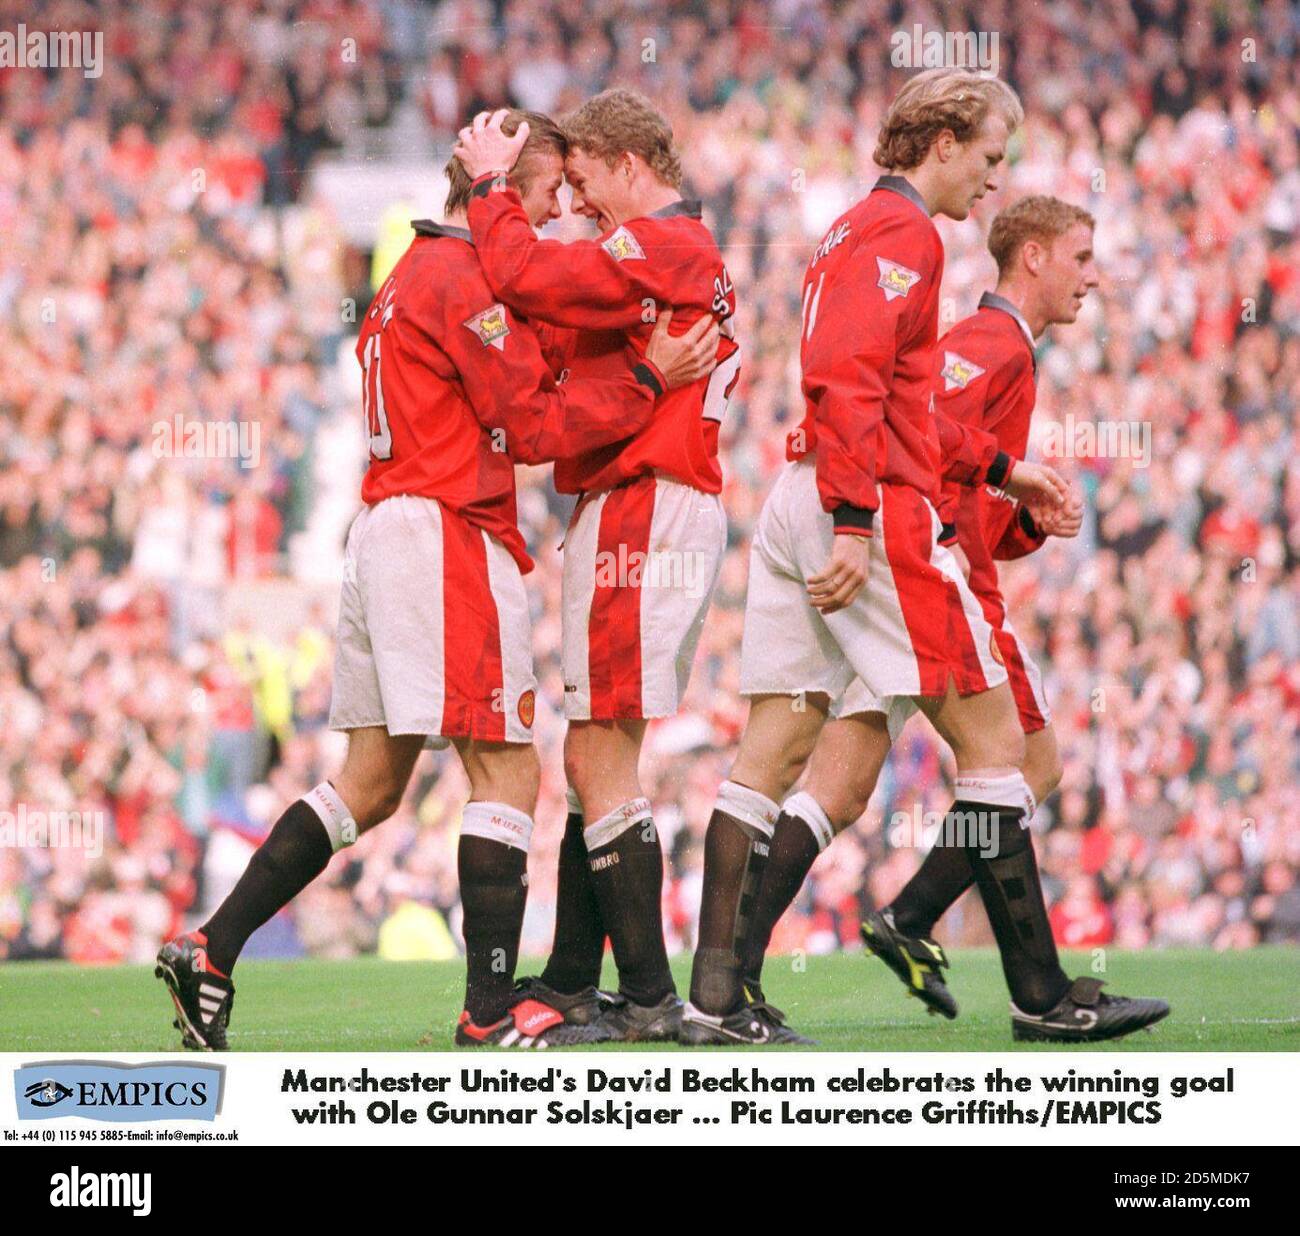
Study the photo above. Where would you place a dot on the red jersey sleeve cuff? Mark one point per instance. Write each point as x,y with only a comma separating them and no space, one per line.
999,470
649,374
487,183
1027,525
852,520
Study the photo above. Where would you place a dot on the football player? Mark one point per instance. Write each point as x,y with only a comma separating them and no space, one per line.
650,501
986,367
848,576
434,643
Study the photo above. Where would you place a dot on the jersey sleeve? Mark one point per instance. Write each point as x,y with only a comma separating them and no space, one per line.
588,284
1020,537
852,333
511,389
969,456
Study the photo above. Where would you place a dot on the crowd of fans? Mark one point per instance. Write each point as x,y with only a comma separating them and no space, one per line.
166,263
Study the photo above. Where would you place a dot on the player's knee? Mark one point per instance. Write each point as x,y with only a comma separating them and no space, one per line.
575,767
377,798
844,799
511,775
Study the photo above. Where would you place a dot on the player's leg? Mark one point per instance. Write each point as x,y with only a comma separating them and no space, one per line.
842,775
197,967
571,978
496,828
640,565
916,630
779,737
624,857
366,792
946,872
790,669
993,828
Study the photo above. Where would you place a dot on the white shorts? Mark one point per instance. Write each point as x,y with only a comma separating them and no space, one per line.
858,699
640,564
434,635
1026,680
913,628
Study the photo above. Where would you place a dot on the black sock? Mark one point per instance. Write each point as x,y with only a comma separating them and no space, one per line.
296,851
736,850
579,945
1013,899
794,849
493,891
627,876
942,878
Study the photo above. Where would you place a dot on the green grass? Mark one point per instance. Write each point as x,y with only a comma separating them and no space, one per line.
1247,1001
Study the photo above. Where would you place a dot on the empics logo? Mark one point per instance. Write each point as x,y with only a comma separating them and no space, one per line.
47,1092
96,1090
123,1190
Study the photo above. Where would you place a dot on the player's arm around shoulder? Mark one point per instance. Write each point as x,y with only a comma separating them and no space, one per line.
601,284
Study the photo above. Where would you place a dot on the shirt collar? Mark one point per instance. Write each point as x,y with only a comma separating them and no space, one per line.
427,227
991,300
903,187
690,207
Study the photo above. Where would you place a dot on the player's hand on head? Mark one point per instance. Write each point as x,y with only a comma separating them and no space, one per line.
839,583
688,357
483,147
1037,483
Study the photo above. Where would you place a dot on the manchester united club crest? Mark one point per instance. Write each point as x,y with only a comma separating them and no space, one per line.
527,707
895,279
958,372
491,327
622,246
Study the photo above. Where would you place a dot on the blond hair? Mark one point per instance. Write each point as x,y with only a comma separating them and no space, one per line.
544,136
620,120
1039,218
936,100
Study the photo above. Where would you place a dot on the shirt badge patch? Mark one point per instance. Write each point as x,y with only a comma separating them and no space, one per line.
622,246
958,372
895,279
490,326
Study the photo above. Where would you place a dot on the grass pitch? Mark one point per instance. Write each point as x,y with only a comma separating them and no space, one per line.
1246,1001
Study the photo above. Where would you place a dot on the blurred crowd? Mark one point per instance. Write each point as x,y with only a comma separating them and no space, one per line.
166,267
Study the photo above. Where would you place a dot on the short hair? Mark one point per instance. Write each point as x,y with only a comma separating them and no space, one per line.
620,120
544,136
936,100
1039,218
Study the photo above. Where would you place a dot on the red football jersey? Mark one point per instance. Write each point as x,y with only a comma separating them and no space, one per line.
986,380
609,289
870,317
869,321
456,389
